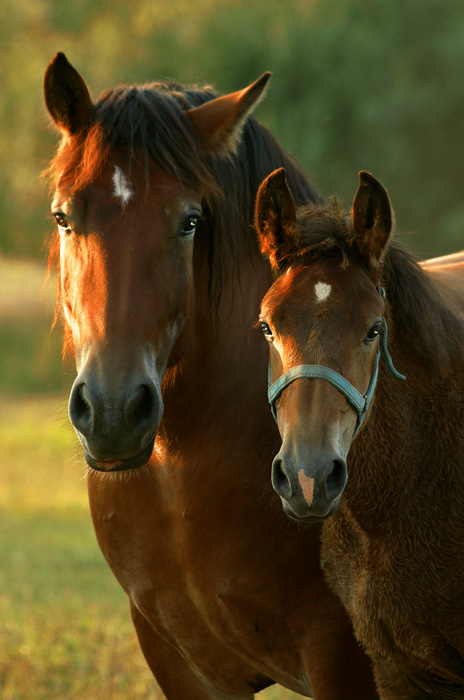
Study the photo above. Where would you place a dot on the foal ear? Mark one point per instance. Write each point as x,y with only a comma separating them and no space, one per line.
372,217
66,96
275,218
218,124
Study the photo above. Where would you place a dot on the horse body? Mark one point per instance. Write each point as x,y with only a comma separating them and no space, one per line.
160,282
194,590
393,549
447,274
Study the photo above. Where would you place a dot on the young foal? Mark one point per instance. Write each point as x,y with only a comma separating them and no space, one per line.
160,282
393,549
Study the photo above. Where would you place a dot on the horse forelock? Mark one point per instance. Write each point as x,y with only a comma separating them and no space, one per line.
143,122
148,123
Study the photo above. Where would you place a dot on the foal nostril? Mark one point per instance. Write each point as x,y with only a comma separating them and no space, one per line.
336,478
280,481
80,408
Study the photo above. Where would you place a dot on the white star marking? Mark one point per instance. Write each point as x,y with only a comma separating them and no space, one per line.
322,290
122,188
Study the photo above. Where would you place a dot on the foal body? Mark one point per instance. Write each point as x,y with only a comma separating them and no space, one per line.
393,548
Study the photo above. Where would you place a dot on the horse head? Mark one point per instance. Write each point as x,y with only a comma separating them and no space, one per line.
324,320
130,180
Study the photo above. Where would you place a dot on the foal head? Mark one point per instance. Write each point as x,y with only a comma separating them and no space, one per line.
323,320
130,179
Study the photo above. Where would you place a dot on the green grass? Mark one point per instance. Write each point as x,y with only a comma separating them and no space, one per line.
65,629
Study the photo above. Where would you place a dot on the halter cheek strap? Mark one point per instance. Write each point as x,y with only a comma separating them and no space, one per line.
359,401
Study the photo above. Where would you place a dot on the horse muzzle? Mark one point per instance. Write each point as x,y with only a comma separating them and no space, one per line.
116,413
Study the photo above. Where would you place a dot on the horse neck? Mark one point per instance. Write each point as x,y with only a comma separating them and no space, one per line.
218,385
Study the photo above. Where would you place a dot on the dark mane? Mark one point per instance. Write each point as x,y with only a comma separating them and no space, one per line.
148,122
418,312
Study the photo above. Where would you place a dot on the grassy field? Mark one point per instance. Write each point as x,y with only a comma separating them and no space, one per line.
65,629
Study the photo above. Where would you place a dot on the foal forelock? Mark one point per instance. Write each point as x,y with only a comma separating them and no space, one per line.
420,318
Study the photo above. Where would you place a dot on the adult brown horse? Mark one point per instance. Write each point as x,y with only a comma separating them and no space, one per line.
160,283
394,550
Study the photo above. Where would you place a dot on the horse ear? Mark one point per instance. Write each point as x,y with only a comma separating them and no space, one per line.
275,218
218,124
372,217
66,96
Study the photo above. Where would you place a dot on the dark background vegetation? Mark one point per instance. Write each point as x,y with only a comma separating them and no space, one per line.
357,84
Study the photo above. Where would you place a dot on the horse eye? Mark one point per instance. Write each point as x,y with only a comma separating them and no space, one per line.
373,333
190,225
62,222
266,330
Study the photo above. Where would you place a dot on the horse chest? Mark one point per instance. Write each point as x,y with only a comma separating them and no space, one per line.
199,583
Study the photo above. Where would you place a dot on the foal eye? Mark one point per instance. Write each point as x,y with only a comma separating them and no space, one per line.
373,333
190,225
266,330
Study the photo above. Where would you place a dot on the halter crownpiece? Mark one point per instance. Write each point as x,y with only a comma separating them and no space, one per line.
359,401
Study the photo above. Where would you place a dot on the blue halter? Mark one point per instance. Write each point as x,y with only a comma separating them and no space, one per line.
359,402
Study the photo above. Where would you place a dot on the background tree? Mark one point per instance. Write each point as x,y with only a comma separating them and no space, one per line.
358,84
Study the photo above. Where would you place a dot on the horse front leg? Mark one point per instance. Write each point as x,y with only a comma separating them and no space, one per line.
173,674
333,661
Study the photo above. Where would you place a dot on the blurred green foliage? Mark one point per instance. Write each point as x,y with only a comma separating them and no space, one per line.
29,358
357,84
30,354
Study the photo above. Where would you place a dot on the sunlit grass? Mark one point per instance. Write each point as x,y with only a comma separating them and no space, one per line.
65,628
42,468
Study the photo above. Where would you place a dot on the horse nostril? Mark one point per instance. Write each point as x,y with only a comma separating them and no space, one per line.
142,405
280,480
80,408
336,479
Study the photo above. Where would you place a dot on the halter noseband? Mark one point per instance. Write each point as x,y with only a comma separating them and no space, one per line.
359,402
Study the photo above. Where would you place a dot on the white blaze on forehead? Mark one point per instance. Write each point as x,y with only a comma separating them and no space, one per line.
322,290
122,188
